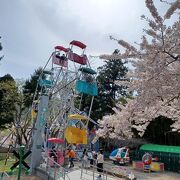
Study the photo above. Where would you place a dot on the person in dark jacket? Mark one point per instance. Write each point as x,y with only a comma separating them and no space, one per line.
100,161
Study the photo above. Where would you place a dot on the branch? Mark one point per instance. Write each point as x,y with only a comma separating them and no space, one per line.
162,37
165,2
172,47
1,57
172,99
176,58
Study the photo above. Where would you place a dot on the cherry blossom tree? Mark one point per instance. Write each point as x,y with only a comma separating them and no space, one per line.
155,78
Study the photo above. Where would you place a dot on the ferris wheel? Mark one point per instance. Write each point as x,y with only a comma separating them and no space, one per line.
66,75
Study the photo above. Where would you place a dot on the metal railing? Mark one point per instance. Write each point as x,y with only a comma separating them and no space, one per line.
58,172
2,174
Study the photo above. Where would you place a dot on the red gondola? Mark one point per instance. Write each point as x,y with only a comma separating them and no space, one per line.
57,153
59,59
81,59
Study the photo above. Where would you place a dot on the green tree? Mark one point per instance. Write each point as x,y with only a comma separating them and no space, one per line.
30,86
22,117
15,101
12,109
8,97
109,92
159,132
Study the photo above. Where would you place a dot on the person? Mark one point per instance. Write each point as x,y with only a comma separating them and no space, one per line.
84,158
71,154
53,153
58,55
100,161
93,157
63,57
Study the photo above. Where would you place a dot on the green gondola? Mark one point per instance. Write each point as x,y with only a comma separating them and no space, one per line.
47,72
87,70
46,83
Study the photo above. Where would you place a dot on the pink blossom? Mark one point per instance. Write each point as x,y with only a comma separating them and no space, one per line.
155,78
172,9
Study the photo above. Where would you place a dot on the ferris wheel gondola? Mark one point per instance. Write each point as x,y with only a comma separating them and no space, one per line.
76,129
59,56
46,79
87,82
80,59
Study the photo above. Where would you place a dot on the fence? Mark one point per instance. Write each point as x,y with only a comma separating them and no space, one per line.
57,172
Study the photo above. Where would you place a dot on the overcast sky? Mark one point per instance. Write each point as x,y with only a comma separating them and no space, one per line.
31,28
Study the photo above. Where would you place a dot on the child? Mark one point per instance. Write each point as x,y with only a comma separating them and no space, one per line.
71,154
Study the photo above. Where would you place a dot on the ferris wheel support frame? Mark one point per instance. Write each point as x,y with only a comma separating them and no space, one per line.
38,131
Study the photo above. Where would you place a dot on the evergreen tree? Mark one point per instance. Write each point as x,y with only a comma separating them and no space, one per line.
108,92
30,87
8,97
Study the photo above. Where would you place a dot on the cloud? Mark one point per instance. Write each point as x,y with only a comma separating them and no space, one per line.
30,29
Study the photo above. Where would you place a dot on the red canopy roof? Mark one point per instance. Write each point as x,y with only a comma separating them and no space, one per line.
78,43
61,48
56,140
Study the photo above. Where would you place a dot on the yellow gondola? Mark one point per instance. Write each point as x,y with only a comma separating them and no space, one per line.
76,133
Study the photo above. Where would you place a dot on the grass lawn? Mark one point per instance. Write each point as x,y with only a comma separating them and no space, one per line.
6,168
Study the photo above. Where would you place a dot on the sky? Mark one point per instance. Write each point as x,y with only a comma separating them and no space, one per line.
30,29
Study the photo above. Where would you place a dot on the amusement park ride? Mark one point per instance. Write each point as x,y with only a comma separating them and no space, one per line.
120,155
53,108
148,164
57,122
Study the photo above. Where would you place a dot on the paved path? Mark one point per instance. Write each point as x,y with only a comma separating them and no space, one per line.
76,174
